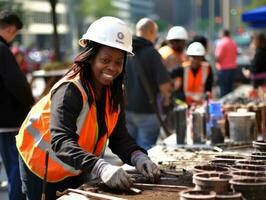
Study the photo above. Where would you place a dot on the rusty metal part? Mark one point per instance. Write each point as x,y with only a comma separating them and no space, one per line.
259,145
87,187
251,188
197,194
172,172
44,184
89,194
149,186
212,181
165,175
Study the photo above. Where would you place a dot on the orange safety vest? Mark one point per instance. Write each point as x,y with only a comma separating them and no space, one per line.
33,139
194,86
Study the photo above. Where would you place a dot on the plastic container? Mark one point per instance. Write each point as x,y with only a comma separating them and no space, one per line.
215,125
242,126
181,124
215,108
199,126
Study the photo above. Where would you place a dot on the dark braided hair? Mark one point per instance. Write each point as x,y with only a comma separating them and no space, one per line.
82,65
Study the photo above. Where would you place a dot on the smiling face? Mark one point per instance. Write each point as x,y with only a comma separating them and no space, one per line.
106,66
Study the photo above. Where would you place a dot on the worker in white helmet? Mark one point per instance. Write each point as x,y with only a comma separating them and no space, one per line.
81,112
196,76
173,53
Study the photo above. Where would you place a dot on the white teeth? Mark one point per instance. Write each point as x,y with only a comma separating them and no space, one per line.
108,76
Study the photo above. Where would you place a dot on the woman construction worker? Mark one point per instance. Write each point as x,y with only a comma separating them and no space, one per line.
81,112
194,79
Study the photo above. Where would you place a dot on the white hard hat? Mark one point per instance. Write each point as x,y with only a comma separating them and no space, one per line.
177,33
195,49
109,31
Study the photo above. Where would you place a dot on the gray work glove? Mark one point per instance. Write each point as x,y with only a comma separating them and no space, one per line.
113,176
145,166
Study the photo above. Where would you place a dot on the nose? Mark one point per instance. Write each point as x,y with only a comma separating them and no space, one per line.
114,66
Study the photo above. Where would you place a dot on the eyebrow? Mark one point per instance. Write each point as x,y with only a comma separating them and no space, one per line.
108,54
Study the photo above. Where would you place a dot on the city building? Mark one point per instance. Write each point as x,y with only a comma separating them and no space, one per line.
38,28
133,10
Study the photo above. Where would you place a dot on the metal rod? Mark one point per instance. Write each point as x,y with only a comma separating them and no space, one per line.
157,186
45,175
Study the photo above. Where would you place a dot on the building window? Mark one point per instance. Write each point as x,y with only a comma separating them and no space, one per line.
45,18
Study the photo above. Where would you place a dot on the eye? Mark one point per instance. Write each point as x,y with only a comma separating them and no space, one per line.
105,60
119,62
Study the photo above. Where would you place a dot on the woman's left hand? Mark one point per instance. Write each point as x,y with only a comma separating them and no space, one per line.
148,168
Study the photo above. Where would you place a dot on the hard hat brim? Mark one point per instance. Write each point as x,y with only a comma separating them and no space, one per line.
84,42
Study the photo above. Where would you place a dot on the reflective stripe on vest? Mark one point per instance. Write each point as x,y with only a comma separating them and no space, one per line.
33,139
194,85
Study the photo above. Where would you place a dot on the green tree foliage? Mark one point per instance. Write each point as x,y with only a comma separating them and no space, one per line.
163,25
96,9
15,7
255,4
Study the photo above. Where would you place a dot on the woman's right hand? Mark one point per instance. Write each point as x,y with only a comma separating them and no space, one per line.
113,176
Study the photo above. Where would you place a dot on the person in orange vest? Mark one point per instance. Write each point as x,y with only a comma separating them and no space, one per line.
195,77
173,53
81,112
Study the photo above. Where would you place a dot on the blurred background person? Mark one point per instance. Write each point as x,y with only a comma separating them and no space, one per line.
203,40
142,122
226,65
173,53
257,70
16,101
196,76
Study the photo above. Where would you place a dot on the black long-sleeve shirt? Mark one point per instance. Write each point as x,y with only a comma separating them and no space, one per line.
16,96
258,65
65,109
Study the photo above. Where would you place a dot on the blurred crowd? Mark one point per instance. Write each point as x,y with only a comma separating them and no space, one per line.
176,70
31,59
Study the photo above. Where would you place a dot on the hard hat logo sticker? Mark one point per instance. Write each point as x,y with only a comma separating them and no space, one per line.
120,37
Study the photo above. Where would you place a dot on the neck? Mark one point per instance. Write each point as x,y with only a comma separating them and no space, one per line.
145,36
98,92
